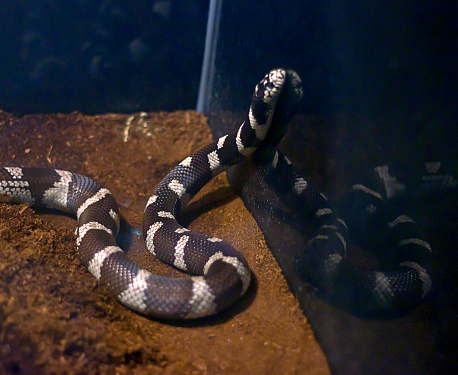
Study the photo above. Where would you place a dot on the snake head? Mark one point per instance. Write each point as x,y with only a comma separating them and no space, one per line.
286,107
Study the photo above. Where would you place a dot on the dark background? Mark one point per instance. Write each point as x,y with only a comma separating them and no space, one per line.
100,56
391,59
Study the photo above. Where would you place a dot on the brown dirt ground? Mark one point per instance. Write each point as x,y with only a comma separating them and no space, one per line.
54,319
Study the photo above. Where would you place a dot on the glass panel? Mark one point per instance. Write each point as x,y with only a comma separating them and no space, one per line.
100,56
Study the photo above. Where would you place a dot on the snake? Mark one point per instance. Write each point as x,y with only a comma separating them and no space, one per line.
220,275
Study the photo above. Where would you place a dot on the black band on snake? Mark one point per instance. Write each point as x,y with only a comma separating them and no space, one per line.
221,274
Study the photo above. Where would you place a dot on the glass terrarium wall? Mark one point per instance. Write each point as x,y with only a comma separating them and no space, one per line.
392,63
380,89
100,56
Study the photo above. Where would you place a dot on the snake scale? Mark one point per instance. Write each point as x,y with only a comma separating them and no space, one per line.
220,274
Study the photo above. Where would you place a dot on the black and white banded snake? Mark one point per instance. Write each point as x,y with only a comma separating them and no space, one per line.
222,274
